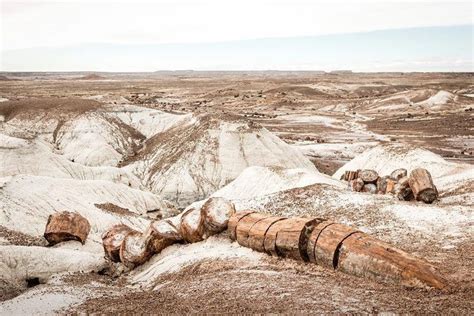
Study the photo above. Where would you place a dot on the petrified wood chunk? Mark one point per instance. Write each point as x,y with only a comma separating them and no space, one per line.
368,176
390,186
313,238
256,237
356,185
112,240
234,220
402,190
366,256
369,188
66,226
421,184
382,184
398,174
191,227
350,175
328,242
245,224
215,214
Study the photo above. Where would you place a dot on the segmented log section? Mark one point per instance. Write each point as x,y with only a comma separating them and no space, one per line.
269,243
256,237
191,227
421,184
366,256
166,229
244,226
313,238
215,214
66,226
329,240
292,239
234,220
112,239
161,234
135,249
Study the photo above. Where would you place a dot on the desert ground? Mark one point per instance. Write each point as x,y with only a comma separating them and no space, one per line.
139,148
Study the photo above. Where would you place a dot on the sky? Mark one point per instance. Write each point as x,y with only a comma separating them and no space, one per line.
236,35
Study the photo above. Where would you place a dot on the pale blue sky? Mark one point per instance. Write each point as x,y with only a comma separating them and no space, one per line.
236,35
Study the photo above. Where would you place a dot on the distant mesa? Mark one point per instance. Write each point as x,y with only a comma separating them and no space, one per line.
5,78
92,77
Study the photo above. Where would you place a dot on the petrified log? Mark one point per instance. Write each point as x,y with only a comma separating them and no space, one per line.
245,224
292,239
112,240
325,244
402,190
256,236
215,214
368,176
136,249
370,188
234,220
397,174
366,256
356,185
66,226
191,227
421,184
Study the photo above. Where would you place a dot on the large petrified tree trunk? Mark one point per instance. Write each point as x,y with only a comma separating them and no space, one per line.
421,184
333,245
112,240
66,226
366,256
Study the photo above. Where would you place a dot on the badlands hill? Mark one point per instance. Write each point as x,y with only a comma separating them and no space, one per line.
190,161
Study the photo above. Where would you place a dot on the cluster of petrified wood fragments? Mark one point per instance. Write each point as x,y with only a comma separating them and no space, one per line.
315,240
418,186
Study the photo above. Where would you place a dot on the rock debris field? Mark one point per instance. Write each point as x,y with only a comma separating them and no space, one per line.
236,193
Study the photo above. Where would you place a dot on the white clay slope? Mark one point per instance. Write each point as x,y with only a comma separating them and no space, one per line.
36,157
27,201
